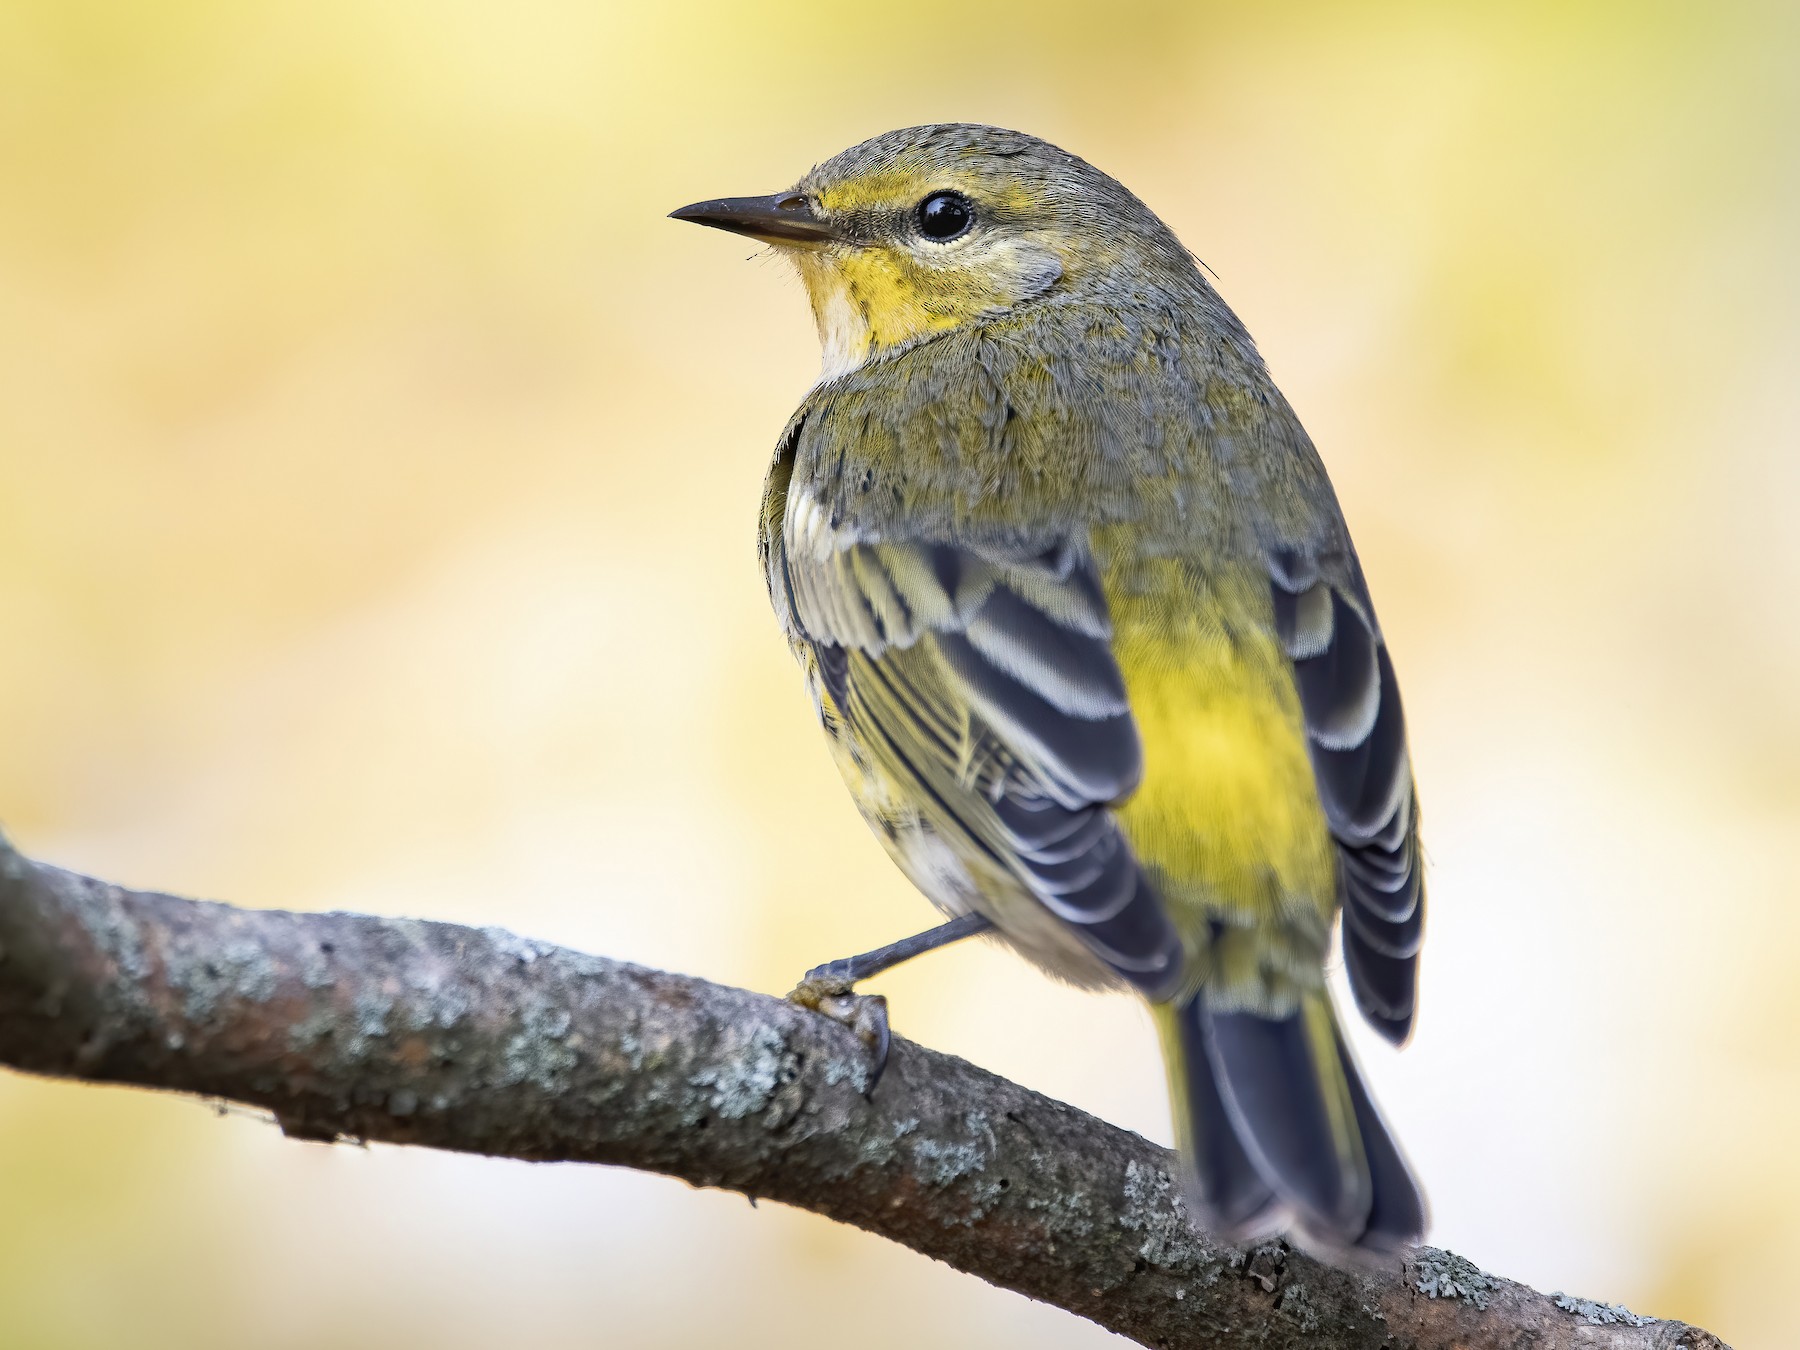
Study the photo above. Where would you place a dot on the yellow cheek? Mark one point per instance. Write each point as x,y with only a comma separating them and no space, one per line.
895,300
862,304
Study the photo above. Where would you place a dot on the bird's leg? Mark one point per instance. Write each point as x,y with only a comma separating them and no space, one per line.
853,970
831,988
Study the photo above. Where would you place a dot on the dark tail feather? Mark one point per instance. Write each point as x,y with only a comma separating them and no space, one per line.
1397,1217
1226,1193
1272,1115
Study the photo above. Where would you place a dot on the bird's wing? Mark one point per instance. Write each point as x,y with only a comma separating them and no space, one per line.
982,678
1356,734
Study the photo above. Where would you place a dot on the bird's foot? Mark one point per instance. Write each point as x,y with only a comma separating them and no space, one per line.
828,990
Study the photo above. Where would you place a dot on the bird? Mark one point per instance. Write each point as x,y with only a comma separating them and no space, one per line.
1090,644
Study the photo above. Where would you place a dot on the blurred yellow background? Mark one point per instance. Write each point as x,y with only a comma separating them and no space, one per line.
377,477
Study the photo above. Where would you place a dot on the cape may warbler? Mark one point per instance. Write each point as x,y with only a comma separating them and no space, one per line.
1092,647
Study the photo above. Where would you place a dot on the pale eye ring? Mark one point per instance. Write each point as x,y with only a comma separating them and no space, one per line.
944,216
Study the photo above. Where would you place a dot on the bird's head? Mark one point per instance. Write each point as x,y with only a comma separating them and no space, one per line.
929,229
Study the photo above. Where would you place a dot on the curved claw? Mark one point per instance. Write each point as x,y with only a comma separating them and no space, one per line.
831,988
829,993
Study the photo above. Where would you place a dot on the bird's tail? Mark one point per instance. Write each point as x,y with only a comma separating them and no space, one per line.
1274,1123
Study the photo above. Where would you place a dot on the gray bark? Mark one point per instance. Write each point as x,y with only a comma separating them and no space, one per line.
347,1026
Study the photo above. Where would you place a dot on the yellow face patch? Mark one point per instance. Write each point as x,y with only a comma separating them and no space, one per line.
887,285
862,303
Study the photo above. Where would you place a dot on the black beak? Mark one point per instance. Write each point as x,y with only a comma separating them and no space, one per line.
785,218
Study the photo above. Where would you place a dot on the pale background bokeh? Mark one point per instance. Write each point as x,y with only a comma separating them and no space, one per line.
377,478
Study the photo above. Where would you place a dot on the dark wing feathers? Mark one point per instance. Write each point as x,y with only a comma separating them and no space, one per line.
1078,760
1073,671
1340,682
1356,733
985,677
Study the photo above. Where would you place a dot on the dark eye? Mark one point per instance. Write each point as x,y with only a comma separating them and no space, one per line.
944,215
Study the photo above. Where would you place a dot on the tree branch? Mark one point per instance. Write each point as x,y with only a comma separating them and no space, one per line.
411,1032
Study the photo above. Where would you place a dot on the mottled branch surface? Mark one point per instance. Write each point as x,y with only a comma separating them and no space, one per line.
348,1026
